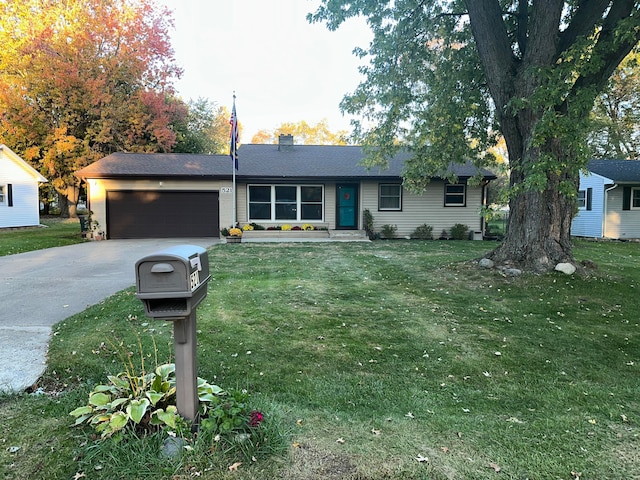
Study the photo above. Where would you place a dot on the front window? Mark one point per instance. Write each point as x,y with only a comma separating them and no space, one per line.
635,198
286,202
455,195
389,197
3,194
582,199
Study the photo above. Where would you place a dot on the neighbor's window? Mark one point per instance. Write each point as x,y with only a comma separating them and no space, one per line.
635,198
3,194
455,195
389,197
582,199
286,202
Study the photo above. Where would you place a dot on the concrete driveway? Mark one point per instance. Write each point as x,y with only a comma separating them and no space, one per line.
38,289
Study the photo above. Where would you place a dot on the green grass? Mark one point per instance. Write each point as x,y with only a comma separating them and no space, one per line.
56,233
366,357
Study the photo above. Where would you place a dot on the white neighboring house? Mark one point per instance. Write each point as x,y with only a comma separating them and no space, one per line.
19,201
609,200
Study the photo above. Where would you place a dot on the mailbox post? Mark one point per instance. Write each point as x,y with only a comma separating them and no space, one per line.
171,283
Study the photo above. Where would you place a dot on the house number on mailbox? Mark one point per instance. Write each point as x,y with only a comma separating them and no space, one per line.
195,280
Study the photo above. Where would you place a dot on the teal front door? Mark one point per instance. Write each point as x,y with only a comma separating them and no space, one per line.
347,206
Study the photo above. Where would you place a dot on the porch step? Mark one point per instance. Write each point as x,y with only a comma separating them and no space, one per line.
348,235
304,236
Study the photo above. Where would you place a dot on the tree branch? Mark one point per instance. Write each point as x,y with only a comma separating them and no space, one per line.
494,48
588,14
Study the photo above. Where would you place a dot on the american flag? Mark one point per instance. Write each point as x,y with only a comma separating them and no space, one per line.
233,151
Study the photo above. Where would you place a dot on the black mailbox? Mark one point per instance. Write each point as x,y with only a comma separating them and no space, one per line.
172,282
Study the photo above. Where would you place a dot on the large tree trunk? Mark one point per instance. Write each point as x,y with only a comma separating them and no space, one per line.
539,228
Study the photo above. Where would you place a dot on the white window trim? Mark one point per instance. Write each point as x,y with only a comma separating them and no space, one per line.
582,202
298,203
464,194
387,209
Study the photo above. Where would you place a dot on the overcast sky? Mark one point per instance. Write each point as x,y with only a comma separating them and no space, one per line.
282,68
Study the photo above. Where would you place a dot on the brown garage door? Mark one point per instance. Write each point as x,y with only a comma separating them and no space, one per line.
162,214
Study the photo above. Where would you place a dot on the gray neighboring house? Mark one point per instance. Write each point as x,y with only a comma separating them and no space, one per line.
136,195
609,200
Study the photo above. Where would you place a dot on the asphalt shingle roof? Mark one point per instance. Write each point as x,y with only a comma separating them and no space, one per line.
256,161
617,170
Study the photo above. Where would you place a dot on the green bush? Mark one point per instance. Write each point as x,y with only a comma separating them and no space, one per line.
389,231
367,220
423,232
459,232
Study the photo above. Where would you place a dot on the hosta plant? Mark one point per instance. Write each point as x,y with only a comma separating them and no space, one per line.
146,402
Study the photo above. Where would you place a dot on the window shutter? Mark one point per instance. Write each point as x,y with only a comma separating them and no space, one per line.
589,197
10,194
626,198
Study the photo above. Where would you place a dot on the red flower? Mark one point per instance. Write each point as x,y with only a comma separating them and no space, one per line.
256,419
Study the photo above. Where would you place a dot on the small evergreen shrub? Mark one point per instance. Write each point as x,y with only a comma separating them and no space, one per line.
459,232
423,232
389,231
367,220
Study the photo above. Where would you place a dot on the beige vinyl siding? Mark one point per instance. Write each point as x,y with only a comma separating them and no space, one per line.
619,223
427,208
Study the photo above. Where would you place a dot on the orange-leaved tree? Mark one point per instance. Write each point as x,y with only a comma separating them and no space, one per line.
82,78
304,134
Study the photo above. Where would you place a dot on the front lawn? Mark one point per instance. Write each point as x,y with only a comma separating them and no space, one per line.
389,360
54,232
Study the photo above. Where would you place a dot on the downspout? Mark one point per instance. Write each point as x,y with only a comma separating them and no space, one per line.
604,215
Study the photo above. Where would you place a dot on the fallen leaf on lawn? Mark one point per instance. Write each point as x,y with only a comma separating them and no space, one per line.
299,422
340,440
376,432
422,459
13,449
495,467
486,374
592,421
409,415
514,420
576,475
79,475
624,418
296,445
466,410
445,449
234,467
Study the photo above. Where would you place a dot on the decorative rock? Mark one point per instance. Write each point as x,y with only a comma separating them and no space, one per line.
486,263
566,268
512,272
173,446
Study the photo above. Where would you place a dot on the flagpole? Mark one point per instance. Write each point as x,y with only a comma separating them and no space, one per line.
234,156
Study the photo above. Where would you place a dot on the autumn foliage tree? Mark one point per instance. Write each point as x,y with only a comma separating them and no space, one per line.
447,77
80,79
204,130
303,134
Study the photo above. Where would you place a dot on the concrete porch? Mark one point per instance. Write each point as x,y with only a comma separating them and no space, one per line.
263,236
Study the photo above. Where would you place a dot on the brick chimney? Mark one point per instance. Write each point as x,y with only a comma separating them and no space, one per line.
285,142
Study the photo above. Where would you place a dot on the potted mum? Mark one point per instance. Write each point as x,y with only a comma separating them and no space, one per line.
232,235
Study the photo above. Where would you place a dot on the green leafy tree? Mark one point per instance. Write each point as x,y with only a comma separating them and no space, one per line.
446,77
616,115
206,129
304,134
80,79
